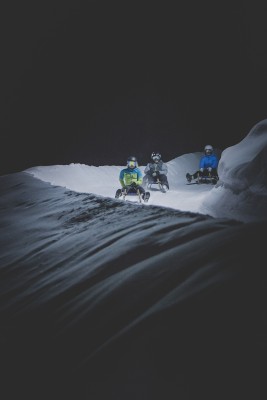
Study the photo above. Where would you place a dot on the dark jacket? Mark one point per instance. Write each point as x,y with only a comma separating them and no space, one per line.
161,167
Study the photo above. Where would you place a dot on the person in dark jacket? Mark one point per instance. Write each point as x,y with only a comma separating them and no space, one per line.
207,166
156,170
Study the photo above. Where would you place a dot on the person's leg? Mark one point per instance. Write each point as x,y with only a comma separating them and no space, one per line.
214,176
214,172
167,183
153,179
149,178
164,180
196,174
118,193
145,195
127,189
141,189
146,179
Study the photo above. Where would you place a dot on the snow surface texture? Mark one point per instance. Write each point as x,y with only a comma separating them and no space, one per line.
105,299
242,189
242,171
104,181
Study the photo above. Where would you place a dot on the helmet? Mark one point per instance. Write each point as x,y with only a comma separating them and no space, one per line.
132,162
208,149
156,156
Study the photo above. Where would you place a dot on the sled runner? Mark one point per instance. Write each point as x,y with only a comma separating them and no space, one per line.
132,192
207,179
158,185
202,179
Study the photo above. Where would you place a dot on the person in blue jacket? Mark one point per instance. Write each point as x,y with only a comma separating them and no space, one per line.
131,179
207,166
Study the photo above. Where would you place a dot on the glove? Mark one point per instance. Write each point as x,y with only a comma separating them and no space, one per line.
201,169
209,169
156,173
133,184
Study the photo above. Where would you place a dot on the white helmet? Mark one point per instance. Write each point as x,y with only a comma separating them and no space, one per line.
208,149
156,156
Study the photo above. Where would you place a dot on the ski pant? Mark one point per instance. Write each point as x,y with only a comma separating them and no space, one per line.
130,189
153,179
206,172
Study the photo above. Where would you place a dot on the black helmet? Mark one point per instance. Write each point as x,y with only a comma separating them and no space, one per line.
208,149
156,156
132,162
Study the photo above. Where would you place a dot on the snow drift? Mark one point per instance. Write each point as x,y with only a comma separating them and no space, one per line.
106,299
242,189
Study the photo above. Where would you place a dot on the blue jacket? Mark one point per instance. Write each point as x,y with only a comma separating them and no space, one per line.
208,161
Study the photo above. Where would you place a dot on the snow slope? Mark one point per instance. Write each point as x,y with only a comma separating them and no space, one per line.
241,192
105,299
104,181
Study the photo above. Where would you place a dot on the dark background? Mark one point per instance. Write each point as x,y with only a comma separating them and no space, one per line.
96,81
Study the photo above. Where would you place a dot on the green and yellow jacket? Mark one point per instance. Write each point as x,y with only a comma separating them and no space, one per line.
130,175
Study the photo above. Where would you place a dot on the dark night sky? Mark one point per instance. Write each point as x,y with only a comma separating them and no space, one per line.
95,81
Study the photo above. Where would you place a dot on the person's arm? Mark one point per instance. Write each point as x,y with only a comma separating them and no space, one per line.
215,162
202,163
164,169
121,178
147,169
139,177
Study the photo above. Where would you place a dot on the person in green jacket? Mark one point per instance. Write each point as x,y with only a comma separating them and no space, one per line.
131,179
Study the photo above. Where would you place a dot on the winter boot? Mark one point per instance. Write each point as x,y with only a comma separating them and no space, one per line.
118,194
145,196
188,177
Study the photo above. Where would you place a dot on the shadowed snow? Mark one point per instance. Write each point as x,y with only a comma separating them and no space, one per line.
106,299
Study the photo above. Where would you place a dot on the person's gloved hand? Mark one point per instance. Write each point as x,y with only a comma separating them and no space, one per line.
201,169
209,169
133,184
156,173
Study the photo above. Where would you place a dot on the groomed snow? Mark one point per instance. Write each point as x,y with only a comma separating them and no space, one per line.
241,192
